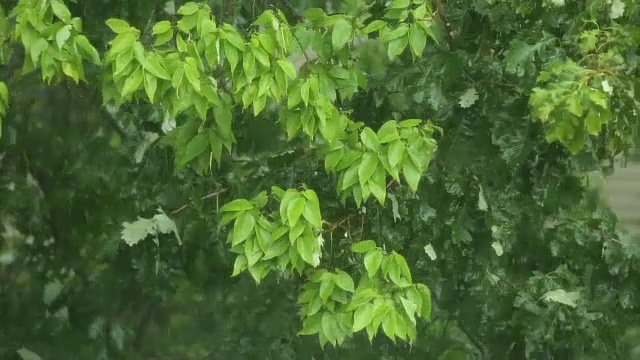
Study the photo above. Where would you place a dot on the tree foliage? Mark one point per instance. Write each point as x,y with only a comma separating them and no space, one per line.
404,178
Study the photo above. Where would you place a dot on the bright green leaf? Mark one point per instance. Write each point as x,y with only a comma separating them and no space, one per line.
362,317
150,85
239,265
342,32
61,11
326,288
372,261
188,9
243,228
417,40
237,205
367,167
118,26
344,281
370,139
411,174
295,210
363,246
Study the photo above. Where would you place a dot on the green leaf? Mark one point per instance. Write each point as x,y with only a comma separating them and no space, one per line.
165,225
259,271
63,35
163,38
4,95
306,246
413,295
312,213
304,92
401,262
133,233
331,328
161,27
243,228
295,210
372,261
311,325
332,159
326,288
344,281
411,174
118,26
574,105
367,167
389,325
375,25
388,132
350,177
378,184
287,68
27,354
122,43
409,308
51,292
232,37
599,98
398,4
363,246
195,147
277,248
239,265
232,55
61,11
562,296
188,9
593,122
426,300
362,317
417,40
342,31
518,56
154,65
396,152
409,123
150,85
83,43
192,73
370,139
237,205
468,98
397,46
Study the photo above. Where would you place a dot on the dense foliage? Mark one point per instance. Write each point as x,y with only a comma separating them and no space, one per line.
316,179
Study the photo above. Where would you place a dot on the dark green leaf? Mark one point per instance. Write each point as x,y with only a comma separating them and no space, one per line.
195,147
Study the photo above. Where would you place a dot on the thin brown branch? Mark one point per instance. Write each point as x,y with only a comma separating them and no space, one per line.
205,197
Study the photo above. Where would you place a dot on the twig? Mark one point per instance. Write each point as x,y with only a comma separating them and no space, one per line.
205,197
